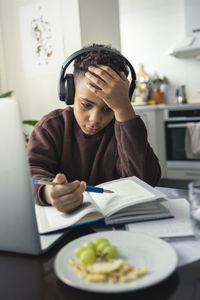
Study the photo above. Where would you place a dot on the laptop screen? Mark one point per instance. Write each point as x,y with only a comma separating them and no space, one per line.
18,227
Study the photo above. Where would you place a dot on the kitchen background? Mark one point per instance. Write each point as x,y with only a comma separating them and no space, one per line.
144,31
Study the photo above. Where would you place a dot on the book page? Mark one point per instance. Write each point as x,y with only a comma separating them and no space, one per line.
126,193
179,226
50,219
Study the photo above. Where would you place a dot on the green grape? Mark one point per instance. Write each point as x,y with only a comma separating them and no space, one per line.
87,257
79,251
110,251
90,245
101,246
100,240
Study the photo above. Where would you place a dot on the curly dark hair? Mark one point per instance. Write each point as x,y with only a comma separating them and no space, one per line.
103,57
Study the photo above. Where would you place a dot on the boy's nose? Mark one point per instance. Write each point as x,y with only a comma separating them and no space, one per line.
95,116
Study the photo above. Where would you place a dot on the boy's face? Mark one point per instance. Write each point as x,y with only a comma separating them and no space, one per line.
91,112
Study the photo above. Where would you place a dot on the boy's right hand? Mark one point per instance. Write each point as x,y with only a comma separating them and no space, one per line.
65,196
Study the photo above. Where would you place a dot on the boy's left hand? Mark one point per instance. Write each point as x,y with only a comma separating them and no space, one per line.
111,88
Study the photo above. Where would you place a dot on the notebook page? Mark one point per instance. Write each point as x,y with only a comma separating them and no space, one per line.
126,193
179,226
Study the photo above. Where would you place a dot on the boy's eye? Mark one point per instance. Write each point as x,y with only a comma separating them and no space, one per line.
86,105
107,109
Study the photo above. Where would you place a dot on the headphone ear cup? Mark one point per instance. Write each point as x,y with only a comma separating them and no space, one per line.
69,89
61,89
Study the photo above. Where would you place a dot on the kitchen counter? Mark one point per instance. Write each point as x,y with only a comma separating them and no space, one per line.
165,106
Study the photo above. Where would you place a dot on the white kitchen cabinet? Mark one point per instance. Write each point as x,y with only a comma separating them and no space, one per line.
154,121
149,118
192,20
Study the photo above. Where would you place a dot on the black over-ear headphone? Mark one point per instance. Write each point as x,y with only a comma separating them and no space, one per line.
66,88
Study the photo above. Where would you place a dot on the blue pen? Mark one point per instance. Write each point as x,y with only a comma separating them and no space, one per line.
95,189
89,188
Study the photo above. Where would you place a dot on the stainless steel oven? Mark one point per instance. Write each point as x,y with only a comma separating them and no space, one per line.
177,163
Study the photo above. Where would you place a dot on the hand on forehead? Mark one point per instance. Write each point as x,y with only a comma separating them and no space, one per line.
102,70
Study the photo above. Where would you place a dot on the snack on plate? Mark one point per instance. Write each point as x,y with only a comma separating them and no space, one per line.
113,270
97,263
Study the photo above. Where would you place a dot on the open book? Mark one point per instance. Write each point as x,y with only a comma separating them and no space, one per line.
132,201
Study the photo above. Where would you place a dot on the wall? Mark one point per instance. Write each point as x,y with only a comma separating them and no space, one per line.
37,95
148,30
3,80
100,22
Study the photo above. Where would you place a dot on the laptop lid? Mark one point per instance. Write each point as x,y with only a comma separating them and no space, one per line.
18,225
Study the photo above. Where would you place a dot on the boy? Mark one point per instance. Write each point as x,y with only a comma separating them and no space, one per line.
100,139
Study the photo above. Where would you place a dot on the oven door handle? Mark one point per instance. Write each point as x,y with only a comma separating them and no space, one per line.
180,125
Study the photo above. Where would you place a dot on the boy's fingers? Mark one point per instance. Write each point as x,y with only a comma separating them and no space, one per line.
65,189
109,71
83,185
67,201
60,178
75,193
123,76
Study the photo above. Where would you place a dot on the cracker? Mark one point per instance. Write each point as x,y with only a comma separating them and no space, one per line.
104,267
112,271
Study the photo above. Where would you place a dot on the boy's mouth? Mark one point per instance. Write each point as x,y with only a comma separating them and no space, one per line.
92,129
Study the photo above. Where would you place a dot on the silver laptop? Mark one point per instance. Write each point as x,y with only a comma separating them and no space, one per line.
18,225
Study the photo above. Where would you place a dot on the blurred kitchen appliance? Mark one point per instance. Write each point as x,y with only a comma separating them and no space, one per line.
176,120
189,47
181,95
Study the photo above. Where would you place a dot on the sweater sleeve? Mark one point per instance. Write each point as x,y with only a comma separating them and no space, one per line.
135,155
43,158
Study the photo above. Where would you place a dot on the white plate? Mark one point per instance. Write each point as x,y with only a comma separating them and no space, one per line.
140,250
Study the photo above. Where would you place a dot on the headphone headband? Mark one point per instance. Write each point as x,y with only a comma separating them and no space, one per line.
63,84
